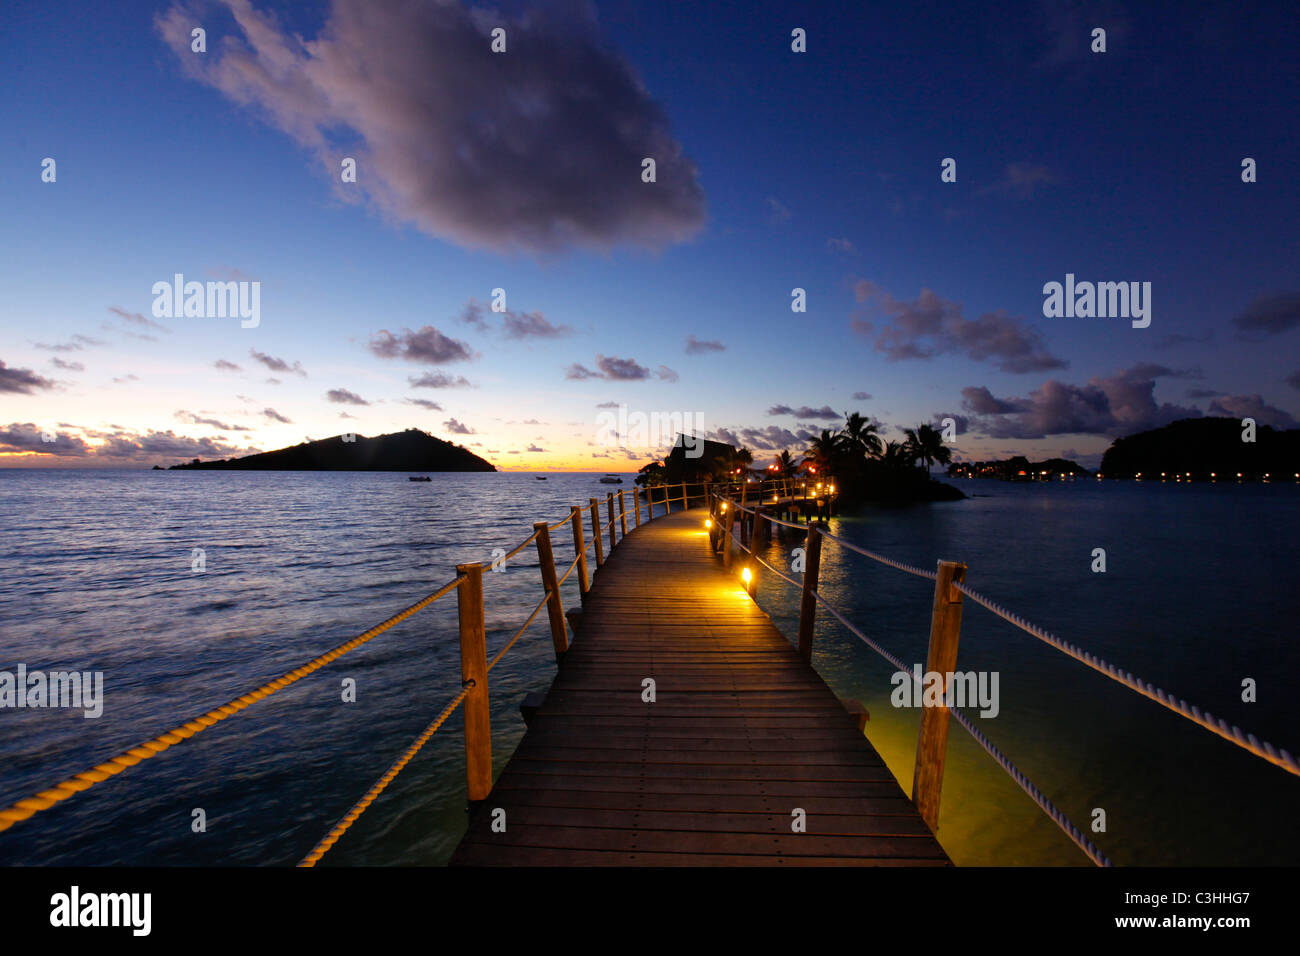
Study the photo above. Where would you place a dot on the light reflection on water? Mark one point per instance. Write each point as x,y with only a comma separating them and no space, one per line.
1200,592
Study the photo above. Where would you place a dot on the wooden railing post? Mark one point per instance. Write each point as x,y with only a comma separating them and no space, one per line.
636,506
685,503
550,581
932,742
622,512
730,522
609,501
595,532
668,505
808,605
580,549
473,675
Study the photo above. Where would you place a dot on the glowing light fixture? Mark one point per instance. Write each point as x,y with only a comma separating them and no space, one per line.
746,576
708,523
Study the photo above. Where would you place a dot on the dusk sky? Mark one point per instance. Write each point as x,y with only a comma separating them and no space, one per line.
522,171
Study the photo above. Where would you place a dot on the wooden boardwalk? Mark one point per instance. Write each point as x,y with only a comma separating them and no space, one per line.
741,734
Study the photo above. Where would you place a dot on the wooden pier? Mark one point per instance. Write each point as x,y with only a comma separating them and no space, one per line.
743,757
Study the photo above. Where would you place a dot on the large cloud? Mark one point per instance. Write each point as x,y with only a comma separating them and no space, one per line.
1114,405
928,326
538,148
21,380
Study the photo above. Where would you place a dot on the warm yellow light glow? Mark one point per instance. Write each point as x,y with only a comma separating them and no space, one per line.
832,489
708,523
724,506
745,575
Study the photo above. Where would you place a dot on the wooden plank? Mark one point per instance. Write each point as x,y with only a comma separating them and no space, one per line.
741,732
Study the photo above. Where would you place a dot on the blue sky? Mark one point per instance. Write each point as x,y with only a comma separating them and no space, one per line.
817,170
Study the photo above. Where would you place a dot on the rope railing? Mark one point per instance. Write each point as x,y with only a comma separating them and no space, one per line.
950,577
79,783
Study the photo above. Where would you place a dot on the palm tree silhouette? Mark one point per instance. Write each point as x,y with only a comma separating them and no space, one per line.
863,435
927,446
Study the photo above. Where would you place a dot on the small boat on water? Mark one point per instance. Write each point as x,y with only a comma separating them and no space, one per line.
540,477
611,480
419,478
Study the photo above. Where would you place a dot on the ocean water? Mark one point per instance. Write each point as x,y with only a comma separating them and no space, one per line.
96,574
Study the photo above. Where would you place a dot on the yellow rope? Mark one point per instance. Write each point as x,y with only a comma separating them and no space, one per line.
321,848
84,781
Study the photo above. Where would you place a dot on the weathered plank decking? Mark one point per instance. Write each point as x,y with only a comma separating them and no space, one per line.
741,734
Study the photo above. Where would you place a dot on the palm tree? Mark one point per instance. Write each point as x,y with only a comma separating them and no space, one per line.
898,455
927,446
824,450
786,466
863,434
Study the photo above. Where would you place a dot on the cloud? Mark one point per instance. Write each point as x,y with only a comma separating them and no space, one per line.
664,373
803,411
424,403
135,318
122,380
776,211
341,396
275,416
21,380
191,419
1253,406
616,370
1269,315
1114,405
861,396
534,448
840,245
523,325
67,366
537,149
439,380
223,366
428,345
770,438
1021,180
117,447
457,428
1204,393
617,404
75,344
928,326
277,364
695,346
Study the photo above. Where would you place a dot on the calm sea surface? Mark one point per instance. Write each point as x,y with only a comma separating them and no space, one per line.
1202,590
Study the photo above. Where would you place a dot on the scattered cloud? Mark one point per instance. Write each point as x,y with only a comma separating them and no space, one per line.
275,416
840,245
1114,405
1021,180
277,364
191,419
424,403
803,411
22,380
135,318
341,396
928,326
427,345
862,396
695,346
1269,315
439,380
222,365
616,370
67,366
1253,406
457,428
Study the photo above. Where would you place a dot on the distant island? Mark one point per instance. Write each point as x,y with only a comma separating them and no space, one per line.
410,450
1204,448
1018,468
